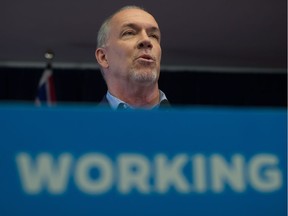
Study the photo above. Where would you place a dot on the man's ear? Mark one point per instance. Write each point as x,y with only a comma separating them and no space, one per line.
101,57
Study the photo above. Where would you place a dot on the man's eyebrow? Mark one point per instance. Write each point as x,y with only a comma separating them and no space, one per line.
135,26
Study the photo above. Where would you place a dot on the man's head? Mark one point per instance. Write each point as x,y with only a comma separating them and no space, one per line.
128,49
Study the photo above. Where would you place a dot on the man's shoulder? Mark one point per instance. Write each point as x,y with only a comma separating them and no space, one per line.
104,102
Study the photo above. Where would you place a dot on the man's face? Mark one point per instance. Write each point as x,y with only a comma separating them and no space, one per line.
133,49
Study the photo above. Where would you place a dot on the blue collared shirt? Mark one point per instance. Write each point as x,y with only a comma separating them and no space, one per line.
114,101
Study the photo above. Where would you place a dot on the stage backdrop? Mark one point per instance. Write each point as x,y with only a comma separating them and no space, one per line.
251,88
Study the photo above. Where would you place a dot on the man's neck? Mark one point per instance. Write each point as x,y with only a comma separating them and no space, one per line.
139,96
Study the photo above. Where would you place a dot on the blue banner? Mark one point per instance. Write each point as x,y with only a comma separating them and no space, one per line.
90,161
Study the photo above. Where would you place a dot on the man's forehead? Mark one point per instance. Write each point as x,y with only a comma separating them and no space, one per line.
133,16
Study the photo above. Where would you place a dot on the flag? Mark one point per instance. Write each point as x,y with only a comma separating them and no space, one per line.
46,89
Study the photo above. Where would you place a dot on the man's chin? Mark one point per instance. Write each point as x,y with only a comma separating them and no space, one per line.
145,76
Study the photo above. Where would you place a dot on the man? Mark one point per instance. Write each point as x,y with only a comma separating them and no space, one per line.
129,55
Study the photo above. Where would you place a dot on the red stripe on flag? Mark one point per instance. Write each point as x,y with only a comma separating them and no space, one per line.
52,95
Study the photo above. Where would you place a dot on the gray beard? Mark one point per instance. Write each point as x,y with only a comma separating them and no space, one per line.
144,77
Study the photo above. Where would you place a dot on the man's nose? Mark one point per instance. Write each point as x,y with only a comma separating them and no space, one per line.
144,42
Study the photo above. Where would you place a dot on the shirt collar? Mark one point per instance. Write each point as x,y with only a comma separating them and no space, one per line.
114,101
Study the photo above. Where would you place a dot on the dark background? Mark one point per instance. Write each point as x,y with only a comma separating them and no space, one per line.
210,88
209,33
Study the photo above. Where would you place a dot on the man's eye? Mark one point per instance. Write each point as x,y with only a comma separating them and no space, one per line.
155,36
127,33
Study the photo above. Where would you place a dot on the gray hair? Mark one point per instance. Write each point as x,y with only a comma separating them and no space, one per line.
105,27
